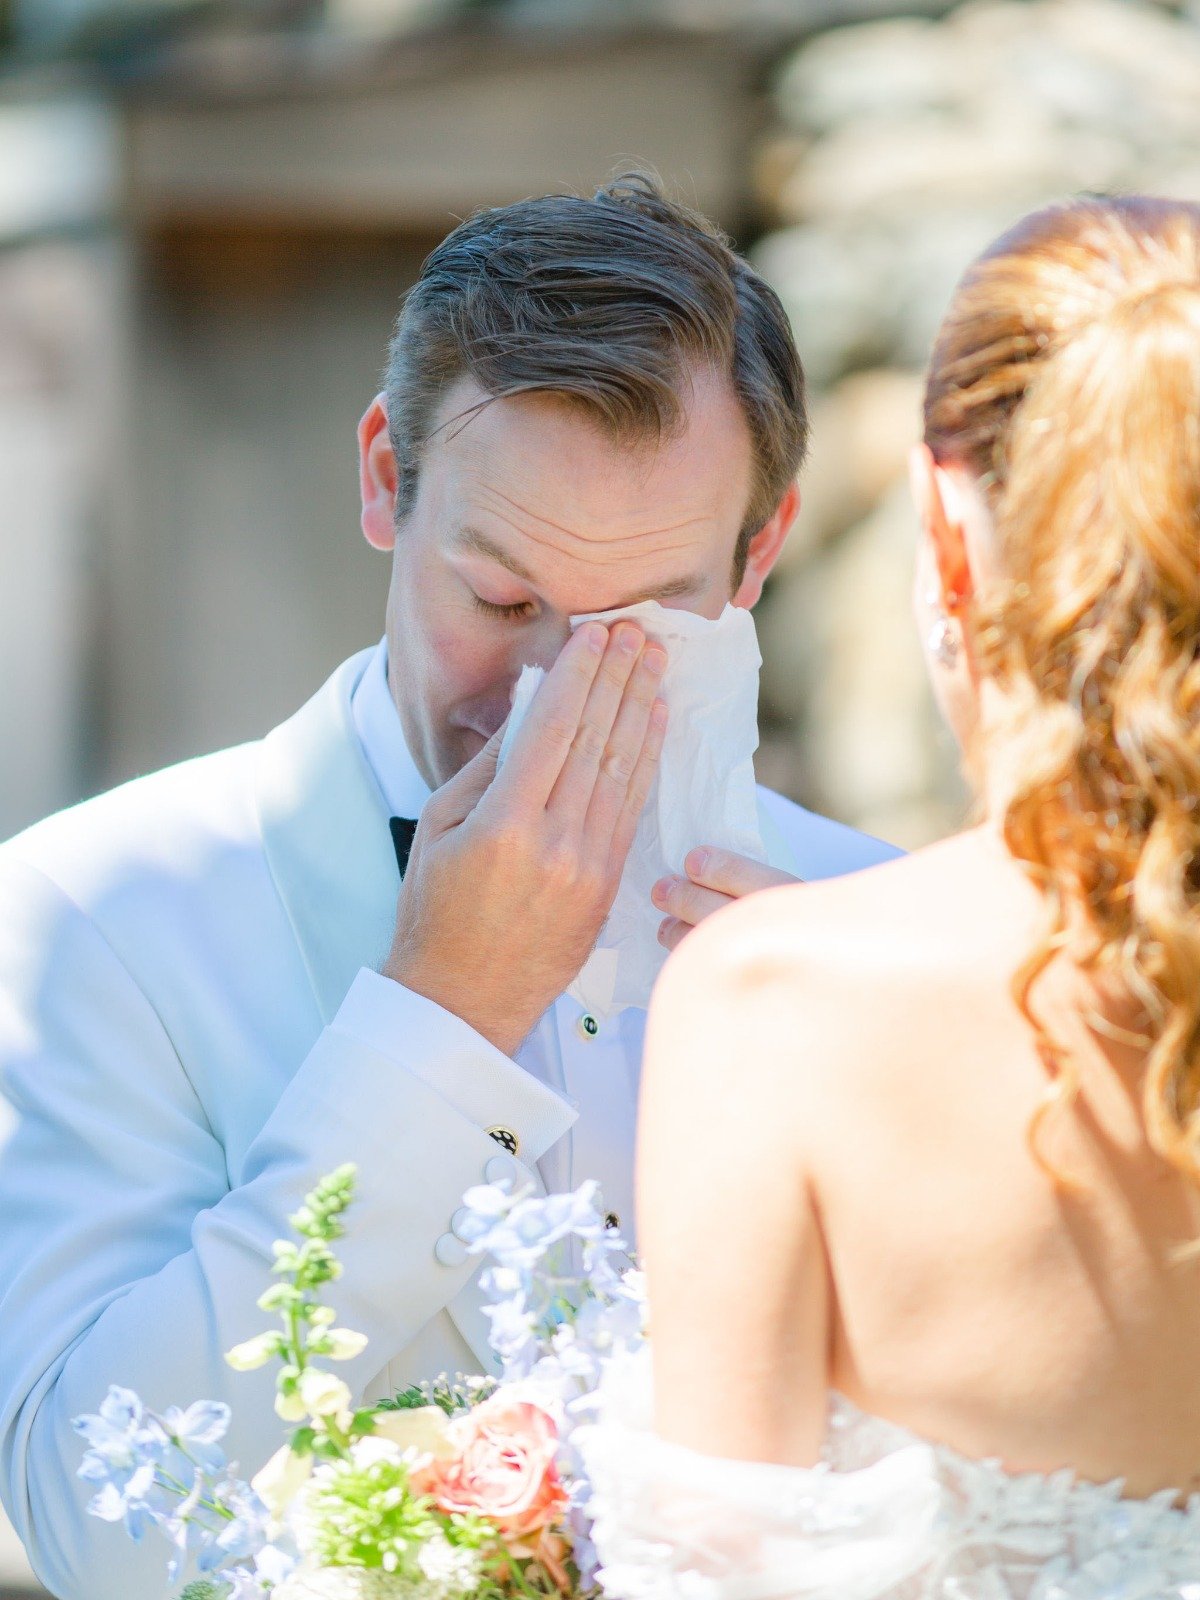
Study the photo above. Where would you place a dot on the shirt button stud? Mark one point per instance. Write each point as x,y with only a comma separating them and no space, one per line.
505,1138
612,1221
588,1026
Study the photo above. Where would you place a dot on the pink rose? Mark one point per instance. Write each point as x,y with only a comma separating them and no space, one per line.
503,1467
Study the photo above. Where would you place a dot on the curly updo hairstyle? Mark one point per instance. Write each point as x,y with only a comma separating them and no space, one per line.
1066,378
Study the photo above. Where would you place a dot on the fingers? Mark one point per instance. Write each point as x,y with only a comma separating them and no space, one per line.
545,738
455,800
685,901
731,874
612,780
591,747
715,878
672,932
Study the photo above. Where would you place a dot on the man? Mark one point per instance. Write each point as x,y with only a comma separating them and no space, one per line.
211,992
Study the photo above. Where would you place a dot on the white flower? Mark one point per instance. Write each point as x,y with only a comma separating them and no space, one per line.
290,1407
454,1571
425,1430
350,1583
253,1353
367,1451
279,1482
345,1344
322,1394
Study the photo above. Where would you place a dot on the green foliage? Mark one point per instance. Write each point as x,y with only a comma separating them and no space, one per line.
307,1333
319,1216
453,1398
368,1517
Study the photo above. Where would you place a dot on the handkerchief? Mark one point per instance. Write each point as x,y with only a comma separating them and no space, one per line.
703,793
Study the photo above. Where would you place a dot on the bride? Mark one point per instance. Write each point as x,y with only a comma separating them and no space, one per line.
920,1149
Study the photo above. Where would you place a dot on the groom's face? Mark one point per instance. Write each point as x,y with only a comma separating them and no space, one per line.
529,514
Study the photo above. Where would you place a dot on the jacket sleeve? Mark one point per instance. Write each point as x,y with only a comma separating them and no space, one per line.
127,1257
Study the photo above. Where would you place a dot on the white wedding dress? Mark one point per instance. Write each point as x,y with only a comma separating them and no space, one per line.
884,1516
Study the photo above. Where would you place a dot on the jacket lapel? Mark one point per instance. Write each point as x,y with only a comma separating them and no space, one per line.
330,852
325,833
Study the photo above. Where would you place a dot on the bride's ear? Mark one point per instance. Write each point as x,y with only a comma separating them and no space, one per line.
941,507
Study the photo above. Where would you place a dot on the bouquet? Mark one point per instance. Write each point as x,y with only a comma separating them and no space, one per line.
456,1489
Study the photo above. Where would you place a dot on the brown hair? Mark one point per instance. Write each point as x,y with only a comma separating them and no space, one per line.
1067,378
611,303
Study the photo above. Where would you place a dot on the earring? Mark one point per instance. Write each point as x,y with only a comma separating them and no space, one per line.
942,642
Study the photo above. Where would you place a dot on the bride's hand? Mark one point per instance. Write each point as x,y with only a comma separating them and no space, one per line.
715,878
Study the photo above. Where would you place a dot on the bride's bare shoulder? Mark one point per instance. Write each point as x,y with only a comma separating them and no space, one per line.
905,906
848,955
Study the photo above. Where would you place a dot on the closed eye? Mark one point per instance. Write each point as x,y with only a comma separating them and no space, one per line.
513,613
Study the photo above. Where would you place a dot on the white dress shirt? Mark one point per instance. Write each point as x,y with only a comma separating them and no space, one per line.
594,1066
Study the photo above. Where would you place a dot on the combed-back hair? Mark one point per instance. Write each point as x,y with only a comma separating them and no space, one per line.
611,303
1066,377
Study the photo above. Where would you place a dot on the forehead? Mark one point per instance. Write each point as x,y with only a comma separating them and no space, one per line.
543,471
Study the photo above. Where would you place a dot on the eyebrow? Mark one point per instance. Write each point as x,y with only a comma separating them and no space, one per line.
473,539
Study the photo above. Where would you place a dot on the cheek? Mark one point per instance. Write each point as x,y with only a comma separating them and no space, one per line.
446,647
437,634
463,658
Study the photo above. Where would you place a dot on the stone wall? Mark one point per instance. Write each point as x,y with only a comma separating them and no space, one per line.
900,148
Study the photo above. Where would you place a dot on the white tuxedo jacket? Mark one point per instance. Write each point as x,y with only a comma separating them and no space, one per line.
174,1074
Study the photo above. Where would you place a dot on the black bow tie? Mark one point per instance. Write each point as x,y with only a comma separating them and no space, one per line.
402,837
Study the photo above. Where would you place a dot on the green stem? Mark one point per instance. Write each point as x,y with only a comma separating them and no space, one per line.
166,1481
335,1434
514,1568
299,1360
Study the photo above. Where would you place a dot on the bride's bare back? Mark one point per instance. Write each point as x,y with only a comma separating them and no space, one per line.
858,1093
838,1186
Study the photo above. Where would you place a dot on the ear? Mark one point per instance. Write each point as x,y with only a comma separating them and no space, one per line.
940,504
377,476
765,548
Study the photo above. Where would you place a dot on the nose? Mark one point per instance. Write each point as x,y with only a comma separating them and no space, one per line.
538,644
541,643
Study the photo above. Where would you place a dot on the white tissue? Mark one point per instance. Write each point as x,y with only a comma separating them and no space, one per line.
704,791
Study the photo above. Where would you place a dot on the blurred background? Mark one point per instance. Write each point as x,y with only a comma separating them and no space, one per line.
209,210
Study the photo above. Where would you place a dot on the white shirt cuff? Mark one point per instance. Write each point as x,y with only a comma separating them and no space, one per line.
478,1080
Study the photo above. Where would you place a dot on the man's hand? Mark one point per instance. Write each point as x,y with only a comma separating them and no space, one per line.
512,874
715,878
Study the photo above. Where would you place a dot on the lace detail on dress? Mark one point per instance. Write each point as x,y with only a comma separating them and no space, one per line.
884,1516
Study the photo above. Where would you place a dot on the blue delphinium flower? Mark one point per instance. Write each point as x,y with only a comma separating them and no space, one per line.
125,1449
519,1230
513,1333
562,1299
168,1471
244,1534
197,1430
180,1527
271,1567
